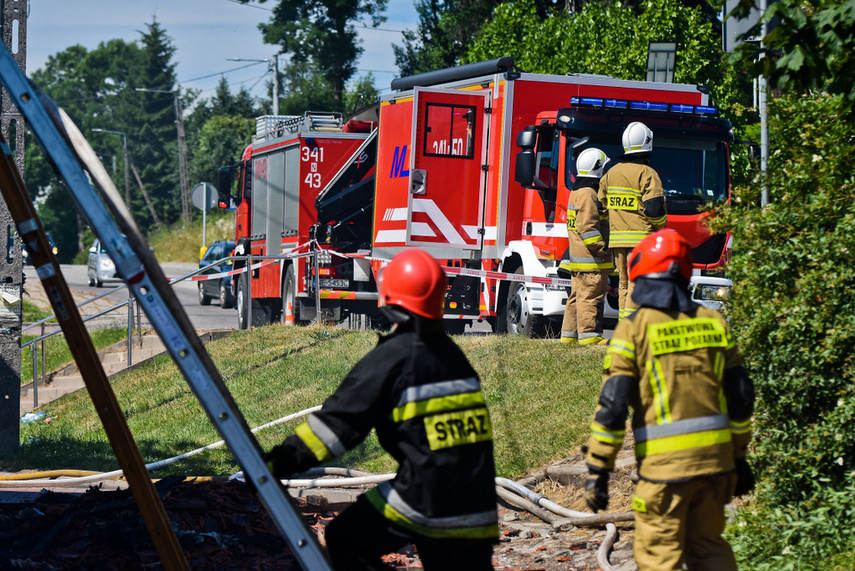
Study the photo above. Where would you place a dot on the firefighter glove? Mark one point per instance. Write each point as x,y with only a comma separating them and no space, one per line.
744,477
280,463
597,491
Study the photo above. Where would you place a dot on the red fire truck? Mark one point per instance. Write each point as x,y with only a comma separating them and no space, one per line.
474,165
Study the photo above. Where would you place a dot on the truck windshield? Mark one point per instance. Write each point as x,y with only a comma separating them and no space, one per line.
693,172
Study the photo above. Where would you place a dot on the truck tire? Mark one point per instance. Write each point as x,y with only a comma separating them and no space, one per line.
288,314
242,302
518,316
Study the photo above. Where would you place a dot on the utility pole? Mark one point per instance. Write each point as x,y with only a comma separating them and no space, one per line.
274,67
183,173
764,111
14,25
276,84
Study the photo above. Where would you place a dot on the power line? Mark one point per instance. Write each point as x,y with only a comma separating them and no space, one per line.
249,5
220,72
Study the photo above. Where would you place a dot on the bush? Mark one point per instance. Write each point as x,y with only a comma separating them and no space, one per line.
793,310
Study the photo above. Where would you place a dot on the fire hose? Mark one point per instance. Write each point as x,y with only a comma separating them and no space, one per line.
509,490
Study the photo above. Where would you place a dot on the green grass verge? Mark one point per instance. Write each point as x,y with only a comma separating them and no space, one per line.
541,396
33,313
57,353
182,243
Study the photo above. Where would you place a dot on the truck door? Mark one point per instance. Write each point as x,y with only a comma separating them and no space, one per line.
445,204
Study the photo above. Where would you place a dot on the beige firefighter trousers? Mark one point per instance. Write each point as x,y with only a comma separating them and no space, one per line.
587,292
625,304
682,523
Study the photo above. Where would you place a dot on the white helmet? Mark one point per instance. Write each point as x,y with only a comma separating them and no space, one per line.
591,162
637,138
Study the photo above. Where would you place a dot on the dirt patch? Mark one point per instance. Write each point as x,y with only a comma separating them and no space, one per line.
221,525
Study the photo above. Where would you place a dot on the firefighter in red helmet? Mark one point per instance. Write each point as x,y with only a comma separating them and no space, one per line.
675,363
423,398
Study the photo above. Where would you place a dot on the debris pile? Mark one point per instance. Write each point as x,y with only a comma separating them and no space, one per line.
219,524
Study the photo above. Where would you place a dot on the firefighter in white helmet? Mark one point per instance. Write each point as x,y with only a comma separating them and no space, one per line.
589,261
423,398
632,192
675,364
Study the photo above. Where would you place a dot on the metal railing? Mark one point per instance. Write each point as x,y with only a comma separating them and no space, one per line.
130,304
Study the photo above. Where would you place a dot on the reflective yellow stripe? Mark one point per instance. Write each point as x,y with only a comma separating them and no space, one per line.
660,391
681,442
718,371
743,427
592,266
592,240
622,348
605,435
315,444
661,221
435,405
489,531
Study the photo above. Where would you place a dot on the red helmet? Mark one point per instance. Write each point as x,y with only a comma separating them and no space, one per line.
661,255
414,281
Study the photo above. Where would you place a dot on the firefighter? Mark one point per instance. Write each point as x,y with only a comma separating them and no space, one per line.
675,363
423,398
589,263
632,192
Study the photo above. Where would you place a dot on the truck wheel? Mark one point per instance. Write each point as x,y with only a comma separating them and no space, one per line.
242,302
288,315
518,316
203,299
227,300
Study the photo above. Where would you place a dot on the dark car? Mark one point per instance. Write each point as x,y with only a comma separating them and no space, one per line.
220,289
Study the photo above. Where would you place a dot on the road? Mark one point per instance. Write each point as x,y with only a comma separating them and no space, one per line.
203,318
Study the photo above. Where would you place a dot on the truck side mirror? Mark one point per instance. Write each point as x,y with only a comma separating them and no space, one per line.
225,185
524,171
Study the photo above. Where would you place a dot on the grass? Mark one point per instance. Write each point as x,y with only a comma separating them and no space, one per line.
57,353
182,243
541,396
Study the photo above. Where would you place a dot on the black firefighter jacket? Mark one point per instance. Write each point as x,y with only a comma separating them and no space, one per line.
419,392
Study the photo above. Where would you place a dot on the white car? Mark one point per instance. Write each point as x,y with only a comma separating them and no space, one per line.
100,268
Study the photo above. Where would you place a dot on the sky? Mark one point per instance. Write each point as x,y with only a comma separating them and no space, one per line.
205,33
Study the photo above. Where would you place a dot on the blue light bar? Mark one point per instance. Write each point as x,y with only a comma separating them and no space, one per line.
680,108
642,105
647,106
615,103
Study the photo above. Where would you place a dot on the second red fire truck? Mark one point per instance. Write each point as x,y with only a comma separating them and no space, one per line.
473,164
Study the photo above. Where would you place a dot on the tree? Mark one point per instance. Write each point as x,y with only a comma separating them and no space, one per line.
361,94
612,39
321,33
98,90
149,119
445,31
792,311
811,47
85,84
218,131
